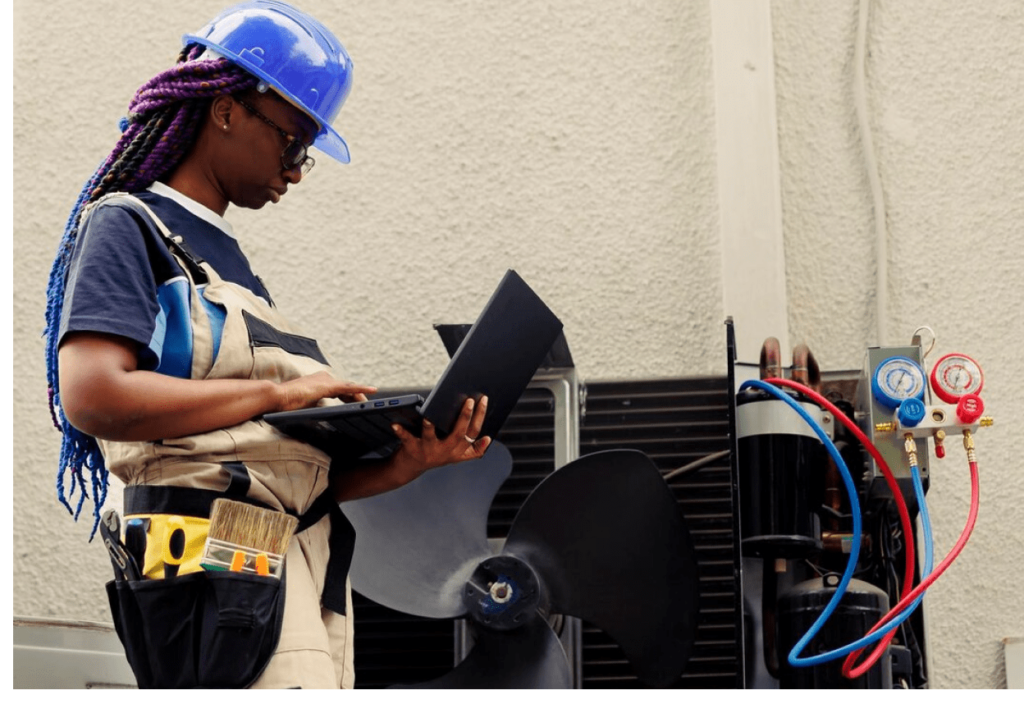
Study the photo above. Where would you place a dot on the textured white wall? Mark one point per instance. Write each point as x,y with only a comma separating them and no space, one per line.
945,101
574,141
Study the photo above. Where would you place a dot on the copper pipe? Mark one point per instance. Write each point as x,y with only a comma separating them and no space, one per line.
814,372
839,542
805,367
771,359
835,541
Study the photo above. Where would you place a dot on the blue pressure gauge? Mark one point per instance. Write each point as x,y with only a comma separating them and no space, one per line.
897,379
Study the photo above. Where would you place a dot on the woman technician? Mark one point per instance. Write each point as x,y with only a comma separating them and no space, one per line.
163,349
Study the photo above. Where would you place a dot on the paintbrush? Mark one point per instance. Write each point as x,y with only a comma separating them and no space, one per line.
246,538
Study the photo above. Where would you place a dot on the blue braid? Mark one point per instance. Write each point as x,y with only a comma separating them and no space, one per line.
77,449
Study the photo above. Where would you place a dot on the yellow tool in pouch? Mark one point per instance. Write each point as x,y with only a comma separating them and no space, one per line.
157,543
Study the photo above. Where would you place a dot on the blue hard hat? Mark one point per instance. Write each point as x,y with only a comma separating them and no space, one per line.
291,52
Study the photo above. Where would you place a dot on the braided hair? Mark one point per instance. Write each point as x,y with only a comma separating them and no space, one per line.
161,127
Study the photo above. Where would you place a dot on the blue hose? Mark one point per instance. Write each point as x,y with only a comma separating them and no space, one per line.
894,623
851,565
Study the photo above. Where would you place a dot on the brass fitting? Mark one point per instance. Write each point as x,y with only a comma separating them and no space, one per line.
969,446
986,421
911,448
886,427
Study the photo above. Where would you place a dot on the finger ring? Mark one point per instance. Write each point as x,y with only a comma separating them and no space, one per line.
470,440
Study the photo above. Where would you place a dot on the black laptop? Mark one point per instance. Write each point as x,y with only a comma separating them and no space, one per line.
497,358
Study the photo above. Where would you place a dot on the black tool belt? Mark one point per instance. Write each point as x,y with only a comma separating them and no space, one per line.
213,629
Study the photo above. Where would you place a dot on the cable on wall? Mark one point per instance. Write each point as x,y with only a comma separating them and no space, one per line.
874,179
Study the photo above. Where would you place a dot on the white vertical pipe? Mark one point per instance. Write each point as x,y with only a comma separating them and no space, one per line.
749,193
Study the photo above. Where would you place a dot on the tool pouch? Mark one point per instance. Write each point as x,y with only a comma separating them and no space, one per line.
212,629
199,629
203,629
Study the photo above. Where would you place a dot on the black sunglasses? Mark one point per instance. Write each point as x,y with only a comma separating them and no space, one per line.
295,153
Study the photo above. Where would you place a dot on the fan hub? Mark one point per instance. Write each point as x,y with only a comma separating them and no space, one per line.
503,593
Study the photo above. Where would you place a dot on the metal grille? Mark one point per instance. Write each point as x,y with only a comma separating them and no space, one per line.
674,422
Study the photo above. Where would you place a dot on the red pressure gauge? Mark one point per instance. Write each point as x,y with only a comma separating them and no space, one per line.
955,376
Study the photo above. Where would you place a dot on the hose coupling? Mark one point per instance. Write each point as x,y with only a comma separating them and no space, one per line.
969,446
911,448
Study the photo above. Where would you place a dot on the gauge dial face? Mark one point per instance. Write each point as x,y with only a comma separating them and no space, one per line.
955,375
896,379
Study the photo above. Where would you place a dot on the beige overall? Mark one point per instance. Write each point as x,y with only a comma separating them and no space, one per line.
315,648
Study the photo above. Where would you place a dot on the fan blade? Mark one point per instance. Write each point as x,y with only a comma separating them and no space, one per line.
417,545
606,538
530,657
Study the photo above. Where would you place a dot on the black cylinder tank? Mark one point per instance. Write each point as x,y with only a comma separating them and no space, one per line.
781,477
861,607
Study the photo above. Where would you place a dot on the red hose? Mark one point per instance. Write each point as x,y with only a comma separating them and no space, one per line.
901,504
848,669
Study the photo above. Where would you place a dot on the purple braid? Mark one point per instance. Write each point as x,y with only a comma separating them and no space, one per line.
188,81
164,118
169,149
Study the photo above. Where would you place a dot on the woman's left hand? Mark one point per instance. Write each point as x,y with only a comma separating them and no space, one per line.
463,443
415,456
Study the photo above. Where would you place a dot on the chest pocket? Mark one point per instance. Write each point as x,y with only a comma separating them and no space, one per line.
275,351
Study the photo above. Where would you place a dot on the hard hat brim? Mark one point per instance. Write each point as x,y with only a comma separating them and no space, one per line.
332,144
327,140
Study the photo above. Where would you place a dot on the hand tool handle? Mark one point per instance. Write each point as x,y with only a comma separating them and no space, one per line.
110,527
174,546
135,541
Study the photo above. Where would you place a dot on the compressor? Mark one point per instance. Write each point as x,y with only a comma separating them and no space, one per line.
831,477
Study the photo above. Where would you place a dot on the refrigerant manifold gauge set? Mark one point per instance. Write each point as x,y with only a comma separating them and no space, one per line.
956,380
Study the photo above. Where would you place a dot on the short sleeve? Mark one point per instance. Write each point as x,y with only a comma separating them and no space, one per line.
111,287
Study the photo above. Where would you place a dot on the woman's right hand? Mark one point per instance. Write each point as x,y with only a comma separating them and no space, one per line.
306,391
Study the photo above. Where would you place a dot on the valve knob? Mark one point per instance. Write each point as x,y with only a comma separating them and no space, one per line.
969,408
910,413
940,447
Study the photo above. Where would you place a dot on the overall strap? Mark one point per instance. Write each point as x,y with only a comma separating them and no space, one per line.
192,262
342,546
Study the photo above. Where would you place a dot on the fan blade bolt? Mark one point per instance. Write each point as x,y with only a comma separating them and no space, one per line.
501,592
